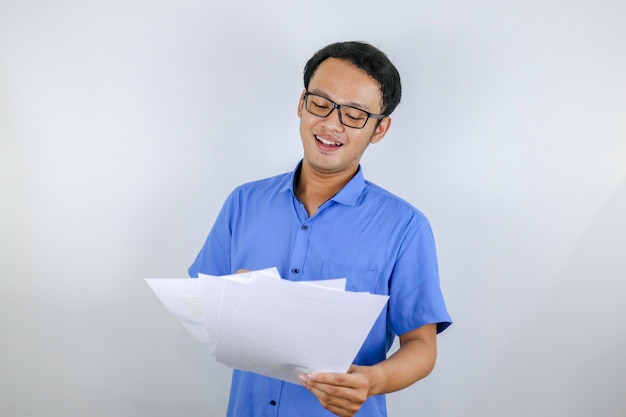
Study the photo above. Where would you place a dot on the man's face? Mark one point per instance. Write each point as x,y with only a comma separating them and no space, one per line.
331,148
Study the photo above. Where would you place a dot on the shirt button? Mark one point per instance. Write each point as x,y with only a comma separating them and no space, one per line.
295,270
304,227
272,402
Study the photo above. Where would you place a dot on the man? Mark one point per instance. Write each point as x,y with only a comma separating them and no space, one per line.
324,220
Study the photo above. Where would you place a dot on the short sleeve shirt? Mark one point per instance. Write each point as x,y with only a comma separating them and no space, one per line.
378,242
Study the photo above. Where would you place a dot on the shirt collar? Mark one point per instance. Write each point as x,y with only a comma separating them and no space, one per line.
348,195
290,184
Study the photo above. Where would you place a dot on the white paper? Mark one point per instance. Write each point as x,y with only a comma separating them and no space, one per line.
261,323
220,296
182,297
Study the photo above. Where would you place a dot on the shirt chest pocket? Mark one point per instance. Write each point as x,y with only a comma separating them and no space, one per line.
358,278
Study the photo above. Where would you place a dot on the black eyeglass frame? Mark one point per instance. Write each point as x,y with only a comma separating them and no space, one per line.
378,117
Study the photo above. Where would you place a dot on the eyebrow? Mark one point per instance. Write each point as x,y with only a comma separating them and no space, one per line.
355,104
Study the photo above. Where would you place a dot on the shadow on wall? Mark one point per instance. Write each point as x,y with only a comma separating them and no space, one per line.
570,360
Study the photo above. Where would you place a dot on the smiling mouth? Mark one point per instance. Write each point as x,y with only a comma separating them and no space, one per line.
328,142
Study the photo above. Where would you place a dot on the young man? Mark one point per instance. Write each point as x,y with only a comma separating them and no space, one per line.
324,220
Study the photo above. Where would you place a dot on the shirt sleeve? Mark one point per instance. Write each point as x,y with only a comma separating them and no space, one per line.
215,256
415,292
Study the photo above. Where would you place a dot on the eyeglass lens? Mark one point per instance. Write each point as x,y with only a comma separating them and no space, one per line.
349,116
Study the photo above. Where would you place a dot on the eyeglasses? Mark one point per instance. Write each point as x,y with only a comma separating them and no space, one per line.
348,116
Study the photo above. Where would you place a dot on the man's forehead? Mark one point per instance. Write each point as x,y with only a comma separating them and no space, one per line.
345,83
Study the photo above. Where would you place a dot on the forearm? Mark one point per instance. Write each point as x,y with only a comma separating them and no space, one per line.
343,394
413,361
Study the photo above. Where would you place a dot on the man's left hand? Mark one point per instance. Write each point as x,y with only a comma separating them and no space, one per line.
341,394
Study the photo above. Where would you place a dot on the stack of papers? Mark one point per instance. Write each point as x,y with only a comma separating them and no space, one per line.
261,323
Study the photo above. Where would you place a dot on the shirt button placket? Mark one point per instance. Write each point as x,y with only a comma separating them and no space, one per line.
276,388
299,251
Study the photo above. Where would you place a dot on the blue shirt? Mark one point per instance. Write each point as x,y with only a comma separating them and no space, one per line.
377,241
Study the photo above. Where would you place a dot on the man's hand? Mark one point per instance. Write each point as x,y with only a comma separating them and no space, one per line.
344,394
341,394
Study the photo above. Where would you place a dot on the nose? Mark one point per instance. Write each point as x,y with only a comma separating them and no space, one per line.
334,120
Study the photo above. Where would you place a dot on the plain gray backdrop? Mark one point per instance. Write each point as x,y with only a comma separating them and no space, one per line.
125,124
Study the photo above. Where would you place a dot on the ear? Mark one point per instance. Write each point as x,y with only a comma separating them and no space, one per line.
301,104
381,130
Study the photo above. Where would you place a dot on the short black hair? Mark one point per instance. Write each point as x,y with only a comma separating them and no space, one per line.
369,59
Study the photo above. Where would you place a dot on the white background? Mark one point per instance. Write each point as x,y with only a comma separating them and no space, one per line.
124,124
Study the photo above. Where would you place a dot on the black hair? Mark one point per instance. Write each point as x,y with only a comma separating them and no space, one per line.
369,59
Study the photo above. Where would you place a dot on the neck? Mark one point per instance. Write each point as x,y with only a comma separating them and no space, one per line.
313,188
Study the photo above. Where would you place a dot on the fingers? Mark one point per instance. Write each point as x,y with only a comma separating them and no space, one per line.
341,394
336,404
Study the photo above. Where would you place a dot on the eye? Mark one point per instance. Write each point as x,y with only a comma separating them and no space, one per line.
320,103
354,114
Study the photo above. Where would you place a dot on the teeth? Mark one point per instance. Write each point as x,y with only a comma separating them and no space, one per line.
327,142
